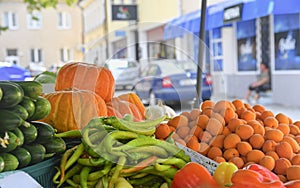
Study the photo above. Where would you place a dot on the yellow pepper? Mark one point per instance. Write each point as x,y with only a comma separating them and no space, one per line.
223,173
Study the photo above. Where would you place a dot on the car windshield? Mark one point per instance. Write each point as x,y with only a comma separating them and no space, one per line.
169,67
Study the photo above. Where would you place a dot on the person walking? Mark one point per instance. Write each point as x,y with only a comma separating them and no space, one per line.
262,83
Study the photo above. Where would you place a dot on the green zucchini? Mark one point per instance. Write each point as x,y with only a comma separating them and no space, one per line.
55,145
10,161
31,89
30,133
20,110
23,156
29,105
12,94
1,164
45,131
9,120
20,136
13,142
37,152
42,109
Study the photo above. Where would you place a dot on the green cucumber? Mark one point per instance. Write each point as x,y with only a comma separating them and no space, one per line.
23,156
30,133
10,161
42,109
20,135
12,94
29,105
20,110
45,131
55,145
13,142
31,89
1,164
9,120
37,152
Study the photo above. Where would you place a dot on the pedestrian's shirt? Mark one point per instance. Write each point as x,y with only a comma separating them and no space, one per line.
263,75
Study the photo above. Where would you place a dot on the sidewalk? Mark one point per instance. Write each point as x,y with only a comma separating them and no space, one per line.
292,112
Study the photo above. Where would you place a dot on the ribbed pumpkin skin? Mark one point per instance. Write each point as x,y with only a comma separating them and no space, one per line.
72,110
84,76
119,108
134,99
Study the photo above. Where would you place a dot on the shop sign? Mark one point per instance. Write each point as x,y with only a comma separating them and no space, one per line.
246,45
287,40
124,12
233,13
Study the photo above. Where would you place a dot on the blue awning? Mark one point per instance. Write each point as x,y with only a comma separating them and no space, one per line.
214,17
286,6
183,24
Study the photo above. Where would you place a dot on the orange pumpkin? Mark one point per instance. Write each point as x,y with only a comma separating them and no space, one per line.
84,76
118,107
72,110
134,99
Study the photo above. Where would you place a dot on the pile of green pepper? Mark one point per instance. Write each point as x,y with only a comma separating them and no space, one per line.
118,152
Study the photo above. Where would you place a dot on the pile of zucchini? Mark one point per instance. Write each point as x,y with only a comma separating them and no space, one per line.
24,140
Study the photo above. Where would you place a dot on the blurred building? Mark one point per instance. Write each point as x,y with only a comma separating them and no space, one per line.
39,39
107,37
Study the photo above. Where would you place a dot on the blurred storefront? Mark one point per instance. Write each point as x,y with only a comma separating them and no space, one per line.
242,34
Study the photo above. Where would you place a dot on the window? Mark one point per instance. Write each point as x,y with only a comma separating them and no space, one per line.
36,55
12,56
34,20
10,20
217,49
64,20
65,54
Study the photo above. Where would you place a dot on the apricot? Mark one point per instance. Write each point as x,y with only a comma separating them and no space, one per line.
244,131
231,141
255,156
293,172
281,166
268,162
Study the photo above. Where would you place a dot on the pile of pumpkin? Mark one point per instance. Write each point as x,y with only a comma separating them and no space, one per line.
234,131
84,91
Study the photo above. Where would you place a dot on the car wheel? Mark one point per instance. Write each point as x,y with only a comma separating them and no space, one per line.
152,98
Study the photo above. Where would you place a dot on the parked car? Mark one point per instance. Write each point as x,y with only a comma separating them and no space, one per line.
124,71
13,72
36,68
172,82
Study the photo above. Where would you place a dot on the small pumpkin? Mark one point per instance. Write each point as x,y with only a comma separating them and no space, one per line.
85,76
72,110
134,99
119,108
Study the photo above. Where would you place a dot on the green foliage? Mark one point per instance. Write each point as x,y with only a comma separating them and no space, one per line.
43,4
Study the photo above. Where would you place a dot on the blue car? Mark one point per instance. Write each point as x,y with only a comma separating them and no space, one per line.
12,72
171,81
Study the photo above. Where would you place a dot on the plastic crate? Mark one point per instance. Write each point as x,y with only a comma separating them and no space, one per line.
44,171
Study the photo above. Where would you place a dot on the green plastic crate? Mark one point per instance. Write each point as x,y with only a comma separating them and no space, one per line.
44,171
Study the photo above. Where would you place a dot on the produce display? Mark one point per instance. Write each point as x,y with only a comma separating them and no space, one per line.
118,142
24,140
234,131
116,151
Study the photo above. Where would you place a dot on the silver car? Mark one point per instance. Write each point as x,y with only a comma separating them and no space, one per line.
125,71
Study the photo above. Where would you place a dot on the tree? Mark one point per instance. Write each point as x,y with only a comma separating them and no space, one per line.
42,4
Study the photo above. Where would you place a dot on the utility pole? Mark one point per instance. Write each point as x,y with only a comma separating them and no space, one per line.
201,49
106,29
